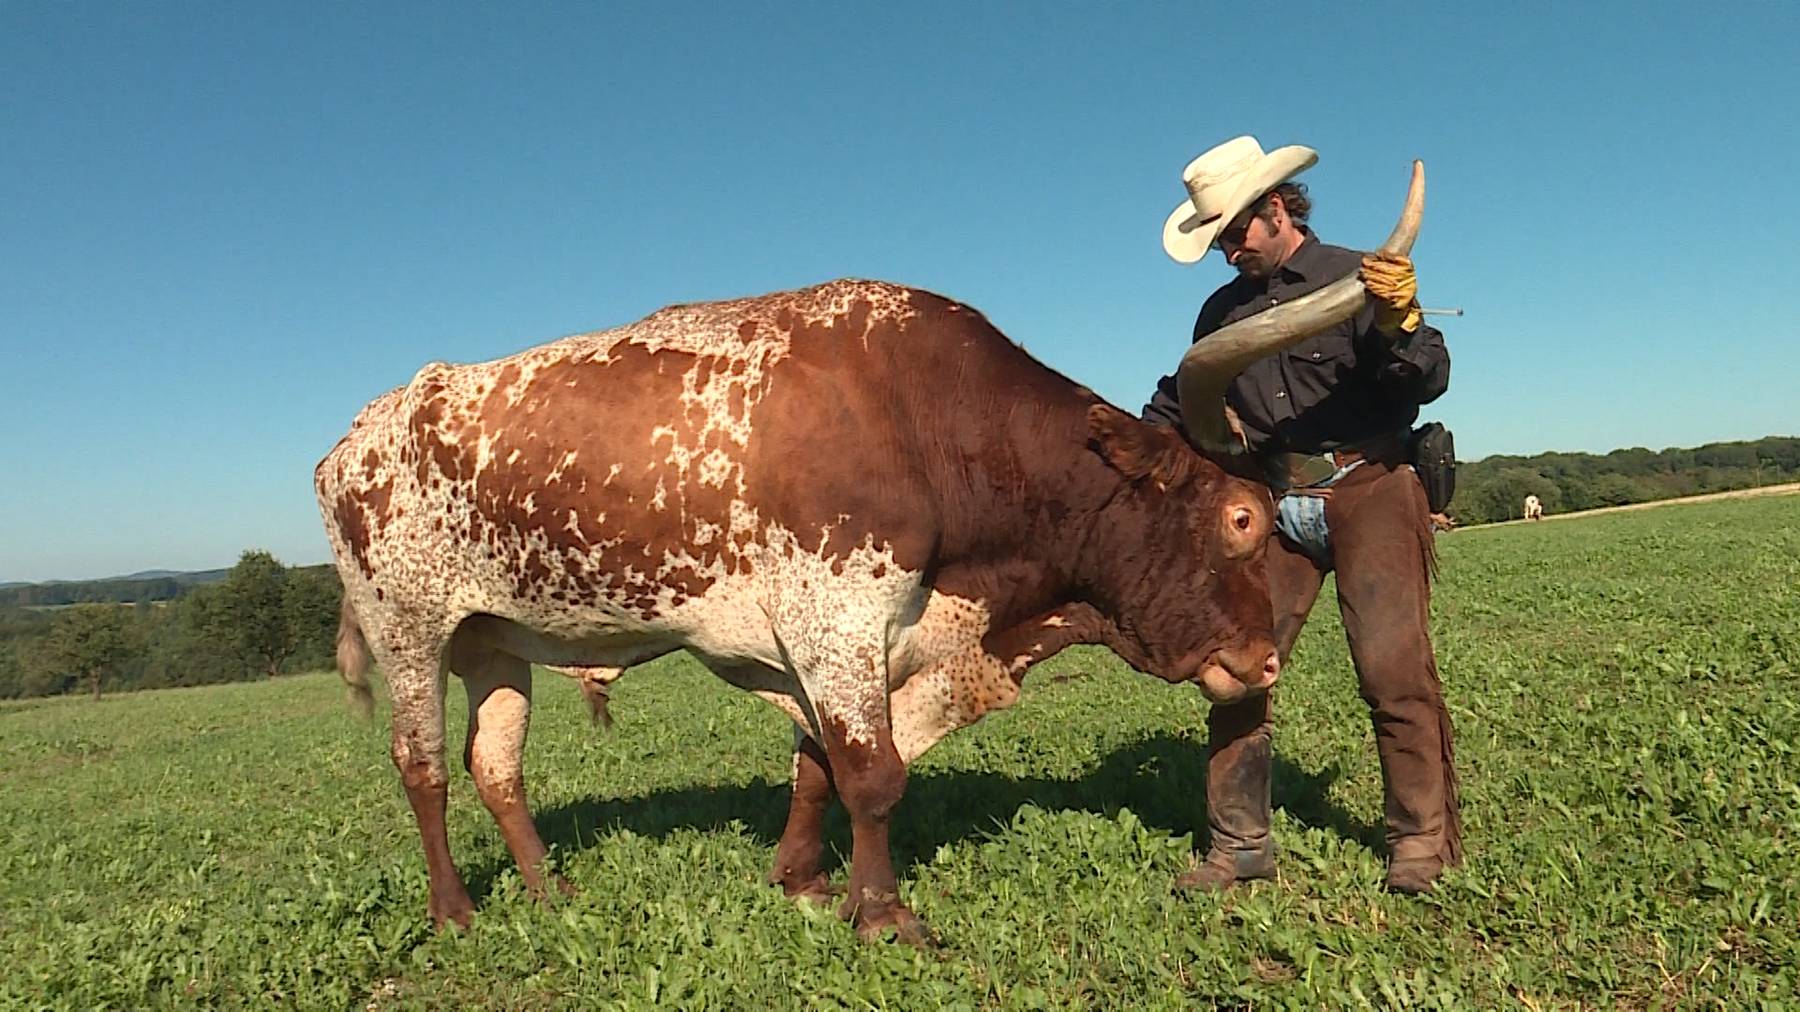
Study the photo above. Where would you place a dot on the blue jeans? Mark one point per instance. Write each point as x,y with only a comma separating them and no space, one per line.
1302,517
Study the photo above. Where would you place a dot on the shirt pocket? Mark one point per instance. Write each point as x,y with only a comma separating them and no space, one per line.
1324,354
1318,368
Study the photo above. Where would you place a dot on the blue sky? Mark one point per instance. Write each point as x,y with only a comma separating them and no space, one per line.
227,226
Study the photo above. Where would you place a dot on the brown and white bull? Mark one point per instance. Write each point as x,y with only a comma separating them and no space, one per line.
859,501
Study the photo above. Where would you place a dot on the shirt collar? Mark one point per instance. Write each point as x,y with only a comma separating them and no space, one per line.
1306,261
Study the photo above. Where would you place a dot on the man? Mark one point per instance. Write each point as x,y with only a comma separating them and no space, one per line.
1328,419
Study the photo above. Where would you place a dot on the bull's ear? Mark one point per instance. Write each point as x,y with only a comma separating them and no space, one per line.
1139,450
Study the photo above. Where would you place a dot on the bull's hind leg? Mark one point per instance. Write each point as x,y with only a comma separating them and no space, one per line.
499,688
800,853
415,678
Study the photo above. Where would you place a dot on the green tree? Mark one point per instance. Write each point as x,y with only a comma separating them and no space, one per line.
1500,495
90,641
1577,492
192,645
12,673
1632,460
1784,451
271,616
311,603
253,614
1724,455
1617,490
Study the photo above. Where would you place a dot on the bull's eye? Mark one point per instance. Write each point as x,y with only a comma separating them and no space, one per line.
1244,529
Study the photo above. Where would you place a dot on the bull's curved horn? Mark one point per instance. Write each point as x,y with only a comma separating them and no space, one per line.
1214,361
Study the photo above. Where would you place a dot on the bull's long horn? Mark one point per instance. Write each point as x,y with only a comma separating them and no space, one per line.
1213,362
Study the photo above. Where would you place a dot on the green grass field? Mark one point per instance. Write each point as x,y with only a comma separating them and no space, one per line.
1626,704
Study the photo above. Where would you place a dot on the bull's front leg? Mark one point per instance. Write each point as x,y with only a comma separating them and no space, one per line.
953,693
851,701
871,780
799,855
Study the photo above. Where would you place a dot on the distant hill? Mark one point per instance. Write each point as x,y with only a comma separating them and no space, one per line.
1494,488
150,585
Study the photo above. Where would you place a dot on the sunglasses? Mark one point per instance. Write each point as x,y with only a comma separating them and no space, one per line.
1235,233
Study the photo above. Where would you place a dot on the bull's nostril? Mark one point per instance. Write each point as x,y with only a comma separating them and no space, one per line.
1271,667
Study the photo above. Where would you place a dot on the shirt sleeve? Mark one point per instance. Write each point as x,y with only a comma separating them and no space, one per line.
1413,368
1164,407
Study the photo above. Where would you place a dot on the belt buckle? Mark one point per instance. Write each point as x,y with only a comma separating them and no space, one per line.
1310,469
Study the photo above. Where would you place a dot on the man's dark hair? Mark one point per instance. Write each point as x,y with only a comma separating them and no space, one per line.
1293,197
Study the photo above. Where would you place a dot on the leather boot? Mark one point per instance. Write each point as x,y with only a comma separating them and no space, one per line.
1237,799
1423,812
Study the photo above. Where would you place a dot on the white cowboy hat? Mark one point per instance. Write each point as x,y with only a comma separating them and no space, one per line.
1220,184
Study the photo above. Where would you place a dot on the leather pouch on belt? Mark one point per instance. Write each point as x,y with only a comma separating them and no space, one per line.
1433,456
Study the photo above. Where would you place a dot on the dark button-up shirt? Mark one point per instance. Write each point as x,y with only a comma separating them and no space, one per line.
1338,388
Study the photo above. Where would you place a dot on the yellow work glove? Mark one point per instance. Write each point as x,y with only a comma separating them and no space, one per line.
1394,288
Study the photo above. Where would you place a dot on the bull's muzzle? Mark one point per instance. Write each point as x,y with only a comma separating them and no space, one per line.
1235,673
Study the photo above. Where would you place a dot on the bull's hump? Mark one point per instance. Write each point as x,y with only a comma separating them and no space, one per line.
733,328
725,354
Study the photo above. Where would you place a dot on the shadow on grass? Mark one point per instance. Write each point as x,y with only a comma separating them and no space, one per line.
1162,779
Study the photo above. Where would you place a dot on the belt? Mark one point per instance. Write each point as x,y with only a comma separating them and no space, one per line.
1297,470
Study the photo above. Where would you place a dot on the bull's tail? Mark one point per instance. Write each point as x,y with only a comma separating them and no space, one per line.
597,701
595,683
354,660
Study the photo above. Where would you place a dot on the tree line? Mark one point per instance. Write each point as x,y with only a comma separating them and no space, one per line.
262,620
120,590
1494,488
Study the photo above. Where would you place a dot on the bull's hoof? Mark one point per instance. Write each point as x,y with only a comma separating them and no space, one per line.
893,921
450,908
876,916
549,887
817,889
